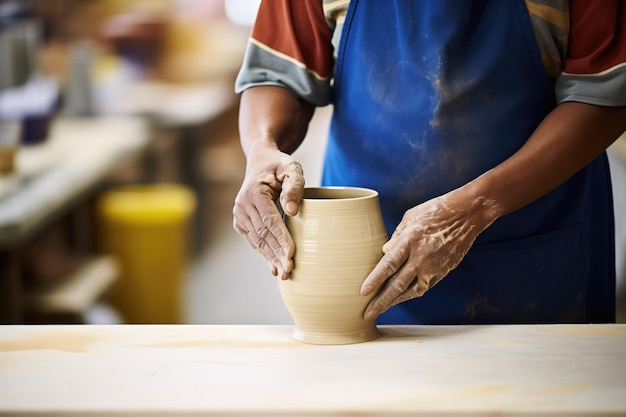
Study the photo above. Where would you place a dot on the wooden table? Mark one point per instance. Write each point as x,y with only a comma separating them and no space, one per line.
547,370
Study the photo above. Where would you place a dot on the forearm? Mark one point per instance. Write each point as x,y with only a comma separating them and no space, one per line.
272,123
569,138
273,116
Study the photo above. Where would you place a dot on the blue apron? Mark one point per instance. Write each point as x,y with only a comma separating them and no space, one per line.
428,95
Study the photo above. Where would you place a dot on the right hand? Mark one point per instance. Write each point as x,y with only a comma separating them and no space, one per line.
270,175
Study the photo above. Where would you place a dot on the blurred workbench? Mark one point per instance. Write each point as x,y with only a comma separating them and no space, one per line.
186,93
53,179
242,370
188,111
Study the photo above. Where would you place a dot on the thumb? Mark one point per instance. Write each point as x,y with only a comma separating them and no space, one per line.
292,189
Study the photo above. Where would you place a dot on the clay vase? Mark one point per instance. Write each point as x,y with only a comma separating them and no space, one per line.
339,234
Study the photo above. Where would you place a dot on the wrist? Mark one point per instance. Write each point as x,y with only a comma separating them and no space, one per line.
260,145
480,210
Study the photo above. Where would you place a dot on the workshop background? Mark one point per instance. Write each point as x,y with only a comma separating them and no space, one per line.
120,162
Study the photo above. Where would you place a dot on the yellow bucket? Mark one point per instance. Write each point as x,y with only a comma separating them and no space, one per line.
147,229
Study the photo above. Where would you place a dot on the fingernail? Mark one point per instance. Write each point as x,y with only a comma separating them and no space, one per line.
366,290
291,207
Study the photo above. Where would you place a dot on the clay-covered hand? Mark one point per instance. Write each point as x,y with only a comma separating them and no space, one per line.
270,175
430,241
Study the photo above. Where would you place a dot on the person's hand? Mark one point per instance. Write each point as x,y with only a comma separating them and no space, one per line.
430,241
270,174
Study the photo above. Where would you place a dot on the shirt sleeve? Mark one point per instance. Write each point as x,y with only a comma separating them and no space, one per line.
594,68
290,46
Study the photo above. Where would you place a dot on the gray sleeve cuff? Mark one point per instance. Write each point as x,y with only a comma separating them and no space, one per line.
605,89
262,67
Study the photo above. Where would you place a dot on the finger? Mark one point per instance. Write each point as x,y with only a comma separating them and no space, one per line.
417,288
278,271
243,225
396,238
248,231
279,239
266,227
410,294
390,244
391,292
292,188
247,227
283,275
388,265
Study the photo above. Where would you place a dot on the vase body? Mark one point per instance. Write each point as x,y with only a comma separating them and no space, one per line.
338,234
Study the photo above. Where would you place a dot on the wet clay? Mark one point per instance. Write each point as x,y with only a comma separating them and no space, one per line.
338,234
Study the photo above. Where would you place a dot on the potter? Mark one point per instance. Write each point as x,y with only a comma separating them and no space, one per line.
483,127
338,235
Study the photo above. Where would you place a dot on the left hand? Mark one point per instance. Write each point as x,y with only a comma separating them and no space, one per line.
430,241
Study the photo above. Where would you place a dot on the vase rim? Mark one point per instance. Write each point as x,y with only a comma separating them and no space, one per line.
338,193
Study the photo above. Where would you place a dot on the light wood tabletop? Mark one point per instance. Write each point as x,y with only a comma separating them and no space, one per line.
258,370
